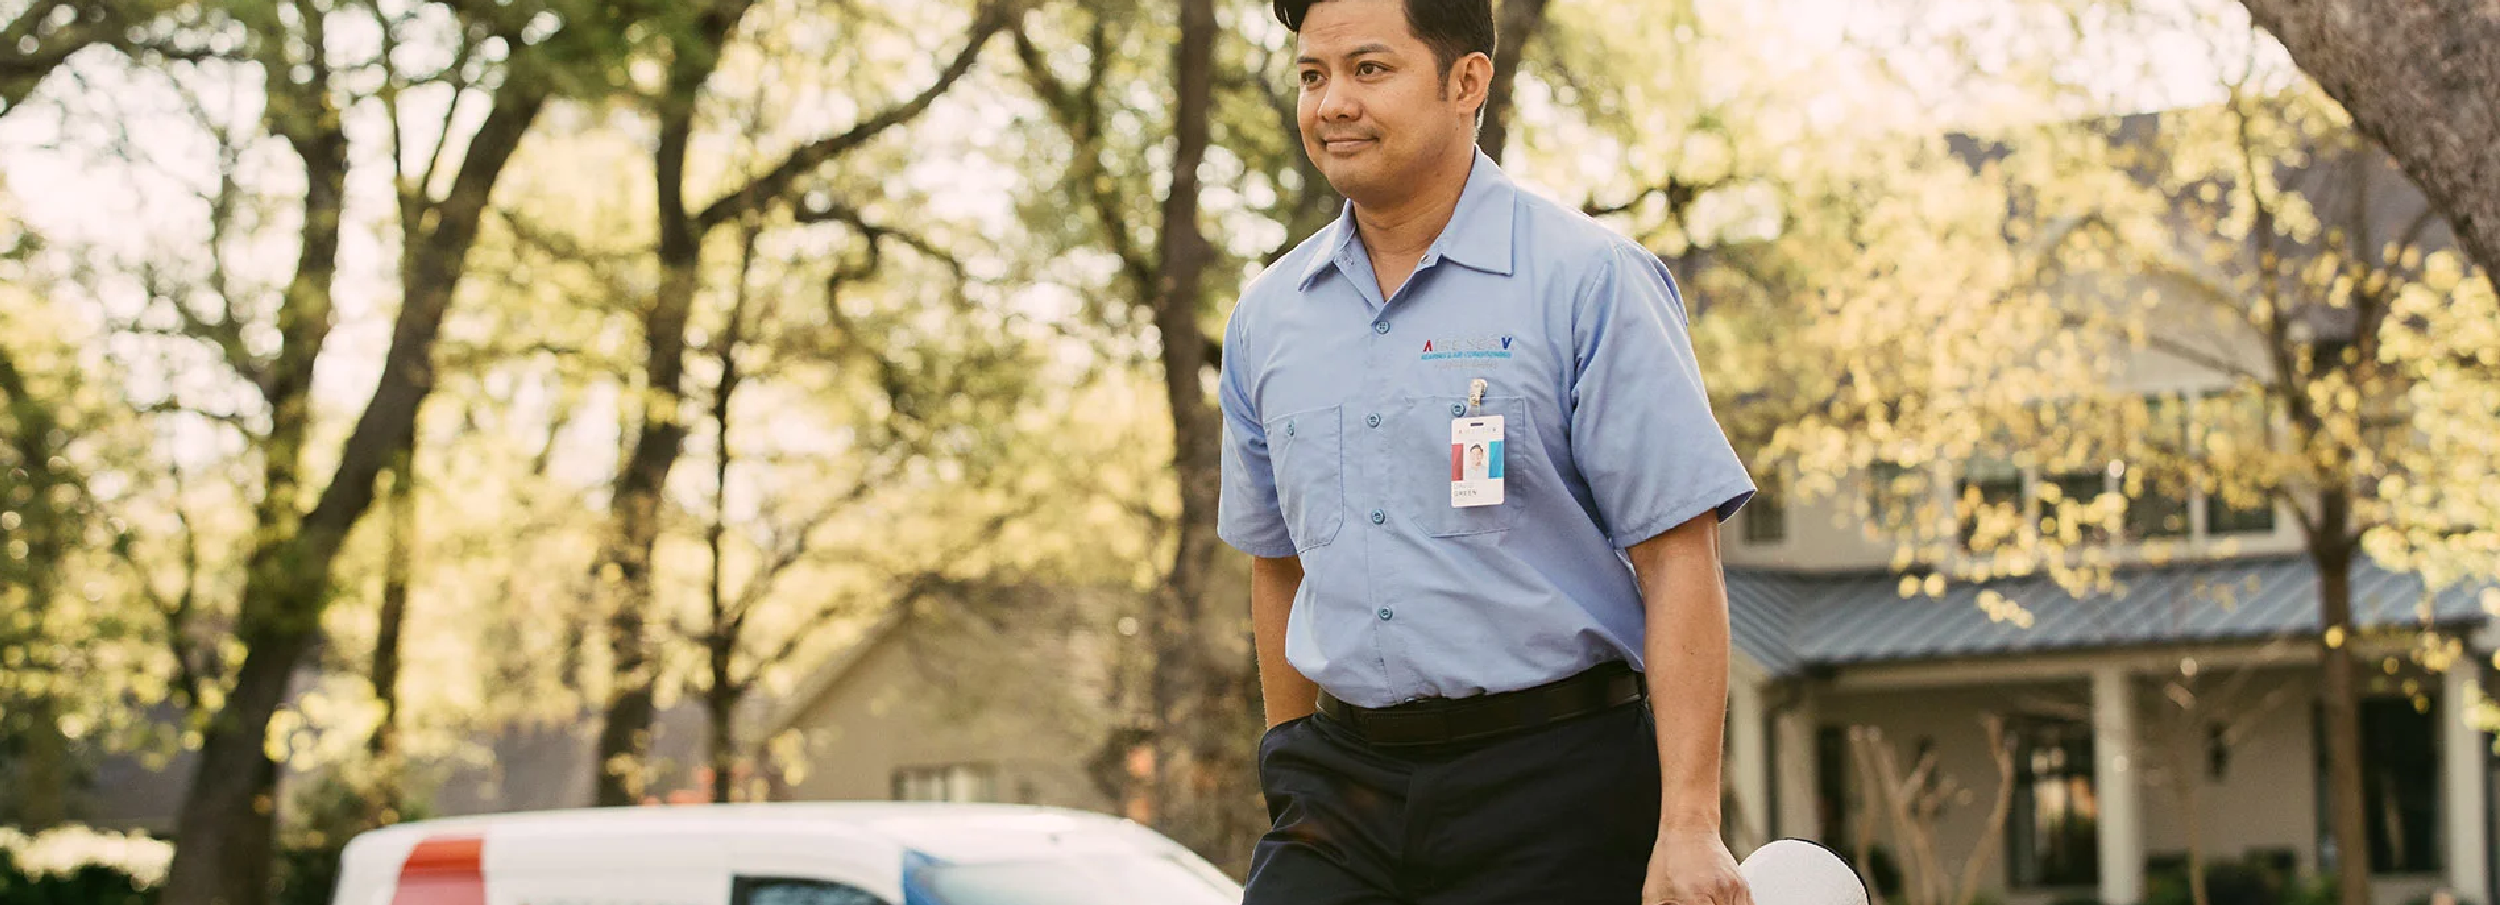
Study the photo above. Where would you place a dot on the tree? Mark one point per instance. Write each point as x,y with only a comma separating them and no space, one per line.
44,34
2258,245
506,58
693,49
2418,79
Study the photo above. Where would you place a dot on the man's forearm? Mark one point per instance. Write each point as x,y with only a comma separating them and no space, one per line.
1686,652
1287,695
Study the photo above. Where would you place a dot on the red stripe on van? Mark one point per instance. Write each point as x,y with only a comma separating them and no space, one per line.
444,871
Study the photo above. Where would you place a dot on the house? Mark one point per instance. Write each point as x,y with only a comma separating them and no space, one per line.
2164,702
2109,770
1005,694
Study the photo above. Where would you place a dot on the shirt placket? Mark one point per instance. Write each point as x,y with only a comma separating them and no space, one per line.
1384,549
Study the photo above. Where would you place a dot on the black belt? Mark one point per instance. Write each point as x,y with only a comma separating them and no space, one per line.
1434,721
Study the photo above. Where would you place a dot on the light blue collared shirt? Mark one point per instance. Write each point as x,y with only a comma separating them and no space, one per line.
1337,409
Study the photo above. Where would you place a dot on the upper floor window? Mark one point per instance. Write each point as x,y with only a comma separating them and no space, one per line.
1895,494
946,782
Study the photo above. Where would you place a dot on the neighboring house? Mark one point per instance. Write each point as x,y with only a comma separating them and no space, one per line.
1005,695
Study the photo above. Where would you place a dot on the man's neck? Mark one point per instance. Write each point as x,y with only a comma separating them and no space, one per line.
1404,228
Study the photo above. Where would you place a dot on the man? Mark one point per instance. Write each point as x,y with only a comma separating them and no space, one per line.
1478,650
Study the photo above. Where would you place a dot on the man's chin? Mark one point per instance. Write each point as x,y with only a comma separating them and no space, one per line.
1352,181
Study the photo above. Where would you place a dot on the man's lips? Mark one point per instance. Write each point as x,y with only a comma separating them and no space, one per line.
1343,145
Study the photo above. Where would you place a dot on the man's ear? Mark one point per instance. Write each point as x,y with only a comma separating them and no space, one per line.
1471,81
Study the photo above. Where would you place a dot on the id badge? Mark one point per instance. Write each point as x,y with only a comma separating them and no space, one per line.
1476,461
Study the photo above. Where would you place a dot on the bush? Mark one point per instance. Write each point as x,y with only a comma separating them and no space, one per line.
80,866
2315,889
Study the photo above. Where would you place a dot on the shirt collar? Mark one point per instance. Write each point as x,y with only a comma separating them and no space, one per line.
1478,235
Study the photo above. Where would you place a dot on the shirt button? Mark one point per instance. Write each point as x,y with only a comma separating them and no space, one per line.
1381,327
1372,419
1288,428
1456,409
1379,517
1387,614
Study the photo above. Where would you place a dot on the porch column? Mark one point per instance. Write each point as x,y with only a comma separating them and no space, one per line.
2461,759
1748,770
1795,773
2116,783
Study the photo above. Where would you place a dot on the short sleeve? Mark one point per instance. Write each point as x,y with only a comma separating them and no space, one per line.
1641,429
1247,514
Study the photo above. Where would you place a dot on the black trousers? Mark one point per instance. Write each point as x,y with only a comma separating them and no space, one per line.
1565,812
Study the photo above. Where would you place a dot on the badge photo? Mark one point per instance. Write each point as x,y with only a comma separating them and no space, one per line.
1476,461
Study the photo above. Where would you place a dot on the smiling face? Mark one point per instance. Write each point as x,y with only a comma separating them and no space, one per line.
1376,111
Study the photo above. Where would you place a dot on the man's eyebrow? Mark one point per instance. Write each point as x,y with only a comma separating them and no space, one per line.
1351,54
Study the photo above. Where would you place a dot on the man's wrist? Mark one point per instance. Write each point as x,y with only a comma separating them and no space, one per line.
1673,821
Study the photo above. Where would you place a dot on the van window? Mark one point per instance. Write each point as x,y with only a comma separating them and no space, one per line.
788,891
1080,881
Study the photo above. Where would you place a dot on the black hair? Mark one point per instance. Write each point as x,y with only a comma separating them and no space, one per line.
1452,28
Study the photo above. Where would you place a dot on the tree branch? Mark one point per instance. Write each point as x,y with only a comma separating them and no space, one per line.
775,183
1079,114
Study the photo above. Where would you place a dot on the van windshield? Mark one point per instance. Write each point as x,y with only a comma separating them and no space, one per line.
1102,880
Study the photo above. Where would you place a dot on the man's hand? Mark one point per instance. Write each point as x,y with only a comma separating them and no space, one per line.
1693,867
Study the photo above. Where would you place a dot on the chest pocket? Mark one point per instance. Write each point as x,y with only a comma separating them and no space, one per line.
1420,464
1307,451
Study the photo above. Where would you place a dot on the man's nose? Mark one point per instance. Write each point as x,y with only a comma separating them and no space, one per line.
1338,104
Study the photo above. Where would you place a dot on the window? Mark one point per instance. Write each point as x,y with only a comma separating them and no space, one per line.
2221,517
1766,521
2052,836
1991,490
2157,498
1895,493
950,782
1832,769
1076,880
2235,427
2070,504
784,891
2400,775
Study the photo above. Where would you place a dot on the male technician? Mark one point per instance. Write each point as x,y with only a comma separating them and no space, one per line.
1519,672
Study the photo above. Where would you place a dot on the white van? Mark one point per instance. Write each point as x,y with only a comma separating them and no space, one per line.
779,854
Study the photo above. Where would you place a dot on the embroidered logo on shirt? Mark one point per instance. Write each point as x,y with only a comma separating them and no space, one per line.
1468,347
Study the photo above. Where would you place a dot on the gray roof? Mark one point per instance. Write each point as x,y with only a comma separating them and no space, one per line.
1789,621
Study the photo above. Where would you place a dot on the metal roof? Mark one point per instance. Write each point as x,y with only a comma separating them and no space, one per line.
1788,621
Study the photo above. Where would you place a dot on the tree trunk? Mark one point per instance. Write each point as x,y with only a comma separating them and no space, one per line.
2187,744
398,564
2422,79
1520,21
2339,696
723,701
46,766
223,834
624,567
1196,749
226,830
